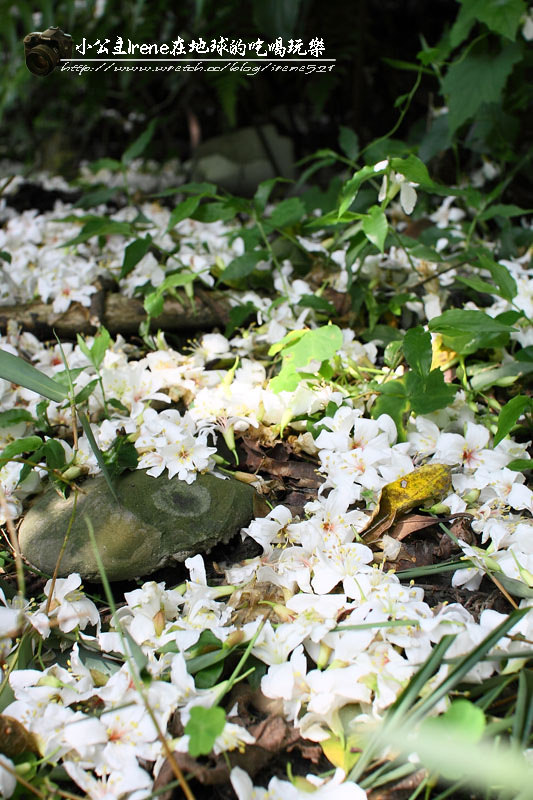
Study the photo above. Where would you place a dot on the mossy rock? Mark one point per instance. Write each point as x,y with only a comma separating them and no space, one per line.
158,521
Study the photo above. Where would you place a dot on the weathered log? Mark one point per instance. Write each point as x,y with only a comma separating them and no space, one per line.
119,314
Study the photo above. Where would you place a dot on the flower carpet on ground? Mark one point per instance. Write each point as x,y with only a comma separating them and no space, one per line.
332,629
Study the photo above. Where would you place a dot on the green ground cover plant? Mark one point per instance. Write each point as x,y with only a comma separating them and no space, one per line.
378,331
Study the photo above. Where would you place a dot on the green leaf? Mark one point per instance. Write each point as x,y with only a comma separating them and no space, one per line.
263,192
96,197
510,414
140,144
501,276
467,331
13,416
429,393
85,424
101,342
500,16
203,727
133,253
86,392
351,187
392,400
287,213
183,210
413,169
243,265
238,316
375,227
503,210
104,163
28,444
320,344
224,210
316,302
99,226
153,302
121,456
478,78
54,454
490,375
349,142
5,256
478,284
15,370
417,350
208,677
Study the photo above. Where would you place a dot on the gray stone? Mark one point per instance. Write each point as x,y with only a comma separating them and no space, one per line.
159,521
240,160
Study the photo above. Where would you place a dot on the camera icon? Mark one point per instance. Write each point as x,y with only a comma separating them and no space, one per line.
44,50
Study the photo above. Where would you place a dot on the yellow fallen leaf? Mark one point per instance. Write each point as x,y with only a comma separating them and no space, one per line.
431,482
441,356
340,753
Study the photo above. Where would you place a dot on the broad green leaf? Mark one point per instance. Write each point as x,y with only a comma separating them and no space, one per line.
140,144
28,444
287,213
133,253
238,316
417,350
290,338
208,677
13,416
183,210
375,227
462,722
96,197
101,342
500,16
153,302
349,142
203,727
263,192
54,454
351,187
501,277
320,344
505,375
429,392
99,226
467,331
316,302
478,284
220,210
520,464
104,163
503,210
413,169
16,370
243,265
83,395
392,400
478,78
510,414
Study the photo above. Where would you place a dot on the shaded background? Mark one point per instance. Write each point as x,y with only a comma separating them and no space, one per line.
57,121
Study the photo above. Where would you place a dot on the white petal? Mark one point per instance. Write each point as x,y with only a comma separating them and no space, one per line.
407,197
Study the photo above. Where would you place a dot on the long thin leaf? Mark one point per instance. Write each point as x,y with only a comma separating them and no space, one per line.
16,370
466,664
98,453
